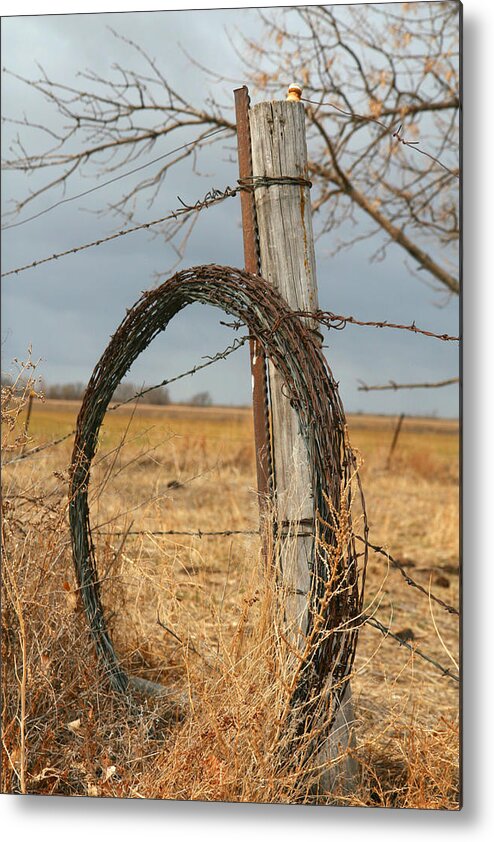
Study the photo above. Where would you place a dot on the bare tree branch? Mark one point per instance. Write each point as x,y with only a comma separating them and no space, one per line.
391,76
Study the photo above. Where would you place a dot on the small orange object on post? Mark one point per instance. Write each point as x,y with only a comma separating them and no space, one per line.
294,93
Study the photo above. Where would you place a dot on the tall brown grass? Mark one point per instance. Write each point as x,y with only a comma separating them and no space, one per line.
204,619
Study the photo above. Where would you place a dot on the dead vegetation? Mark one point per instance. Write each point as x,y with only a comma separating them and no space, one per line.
200,616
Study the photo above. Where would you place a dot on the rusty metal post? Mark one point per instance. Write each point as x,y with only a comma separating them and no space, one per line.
260,400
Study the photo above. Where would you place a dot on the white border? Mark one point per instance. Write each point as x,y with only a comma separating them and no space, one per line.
56,819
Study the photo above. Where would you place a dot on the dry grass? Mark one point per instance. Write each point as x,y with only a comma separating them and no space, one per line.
200,616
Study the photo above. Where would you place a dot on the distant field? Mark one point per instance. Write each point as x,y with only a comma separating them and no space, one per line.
176,602
440,437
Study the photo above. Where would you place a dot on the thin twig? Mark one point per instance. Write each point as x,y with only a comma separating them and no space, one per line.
23,679
110,180
396,134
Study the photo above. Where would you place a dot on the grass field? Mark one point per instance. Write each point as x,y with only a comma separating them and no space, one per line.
193,612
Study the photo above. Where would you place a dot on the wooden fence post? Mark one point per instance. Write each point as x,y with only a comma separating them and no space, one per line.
286,243
28,419
395,440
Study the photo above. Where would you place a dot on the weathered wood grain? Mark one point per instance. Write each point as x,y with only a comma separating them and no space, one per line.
288,260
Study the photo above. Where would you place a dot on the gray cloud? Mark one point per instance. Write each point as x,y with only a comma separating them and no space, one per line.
68,308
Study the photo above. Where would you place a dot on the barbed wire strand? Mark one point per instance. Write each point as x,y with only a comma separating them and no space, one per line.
111,180
211,359
408,579
199,533
395,386
38,449
372,621
213,197
196,533
326,318
396,133
220,355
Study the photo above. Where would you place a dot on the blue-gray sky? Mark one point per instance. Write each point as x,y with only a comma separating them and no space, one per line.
67,309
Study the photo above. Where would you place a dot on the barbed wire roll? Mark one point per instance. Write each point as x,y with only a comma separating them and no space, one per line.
313,393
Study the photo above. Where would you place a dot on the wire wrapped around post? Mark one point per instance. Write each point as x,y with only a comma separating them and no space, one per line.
313,392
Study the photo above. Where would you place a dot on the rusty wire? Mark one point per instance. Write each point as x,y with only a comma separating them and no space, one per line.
386,632
312,391
201,533
395,386
196,533
334,321
211,359
40,447
408,579
213,197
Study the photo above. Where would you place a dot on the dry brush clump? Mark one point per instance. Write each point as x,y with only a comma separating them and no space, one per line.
206,621
63,732
240,740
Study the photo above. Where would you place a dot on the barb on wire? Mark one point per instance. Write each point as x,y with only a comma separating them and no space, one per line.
392,385
207,202
314,396
386,632
220,355
327,318
337,322
408,579
210,198
197,533
397,134
110,181
39,448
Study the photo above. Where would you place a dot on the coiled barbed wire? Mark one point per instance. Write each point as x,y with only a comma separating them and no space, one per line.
335,598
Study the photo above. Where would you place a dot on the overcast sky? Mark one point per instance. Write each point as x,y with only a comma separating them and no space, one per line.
67,309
